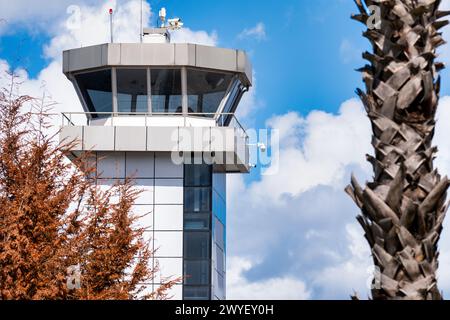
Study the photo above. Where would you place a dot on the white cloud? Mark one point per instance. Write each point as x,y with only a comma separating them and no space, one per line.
316,149
258,32
249,103
299,224
92,15
444,51
198,37
442,136
93,26
443,164
352,275
21,10
295,234
92,29
283,288
33,15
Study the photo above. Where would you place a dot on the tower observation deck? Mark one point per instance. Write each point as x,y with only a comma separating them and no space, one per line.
164,114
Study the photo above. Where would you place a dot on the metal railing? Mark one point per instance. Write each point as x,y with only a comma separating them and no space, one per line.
220,119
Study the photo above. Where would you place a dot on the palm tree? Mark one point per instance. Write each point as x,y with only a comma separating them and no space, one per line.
404,207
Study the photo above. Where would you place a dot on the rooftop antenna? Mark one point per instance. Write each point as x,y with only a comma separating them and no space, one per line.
141,30
162,17
111,24
172,24
161,34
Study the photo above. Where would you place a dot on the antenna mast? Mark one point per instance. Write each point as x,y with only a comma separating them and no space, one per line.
141,30
172,24
162,17
161,34
111,24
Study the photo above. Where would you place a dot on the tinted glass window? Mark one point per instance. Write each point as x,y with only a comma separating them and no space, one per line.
166,90
220,261
197,242
197,272
232,102
206,90
196,245
132,90
233,94
96,90
221,282
219,207
197,199
196,221
219,234
198,175
220,184
196,293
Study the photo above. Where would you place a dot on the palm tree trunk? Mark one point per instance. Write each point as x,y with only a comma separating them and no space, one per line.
403,209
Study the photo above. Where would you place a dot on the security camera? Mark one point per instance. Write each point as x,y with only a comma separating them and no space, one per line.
175,23
262,147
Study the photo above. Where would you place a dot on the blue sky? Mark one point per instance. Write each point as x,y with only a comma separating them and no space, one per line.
302,44
291,234
305,40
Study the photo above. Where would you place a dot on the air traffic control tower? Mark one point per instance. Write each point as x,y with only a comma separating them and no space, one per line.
164,114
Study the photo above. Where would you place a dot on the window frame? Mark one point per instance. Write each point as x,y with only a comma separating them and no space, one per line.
205,231
149,88
184,88
116,81
225,96
81,96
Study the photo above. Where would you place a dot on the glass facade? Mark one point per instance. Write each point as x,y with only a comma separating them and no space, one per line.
197,221
236,92
206,90
219,236
166,91
96,89
204,233
132,90
197,232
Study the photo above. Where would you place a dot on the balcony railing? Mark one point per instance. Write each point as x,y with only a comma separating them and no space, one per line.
111,118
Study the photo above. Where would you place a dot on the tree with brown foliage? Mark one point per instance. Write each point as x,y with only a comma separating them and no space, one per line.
404,207
53,219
